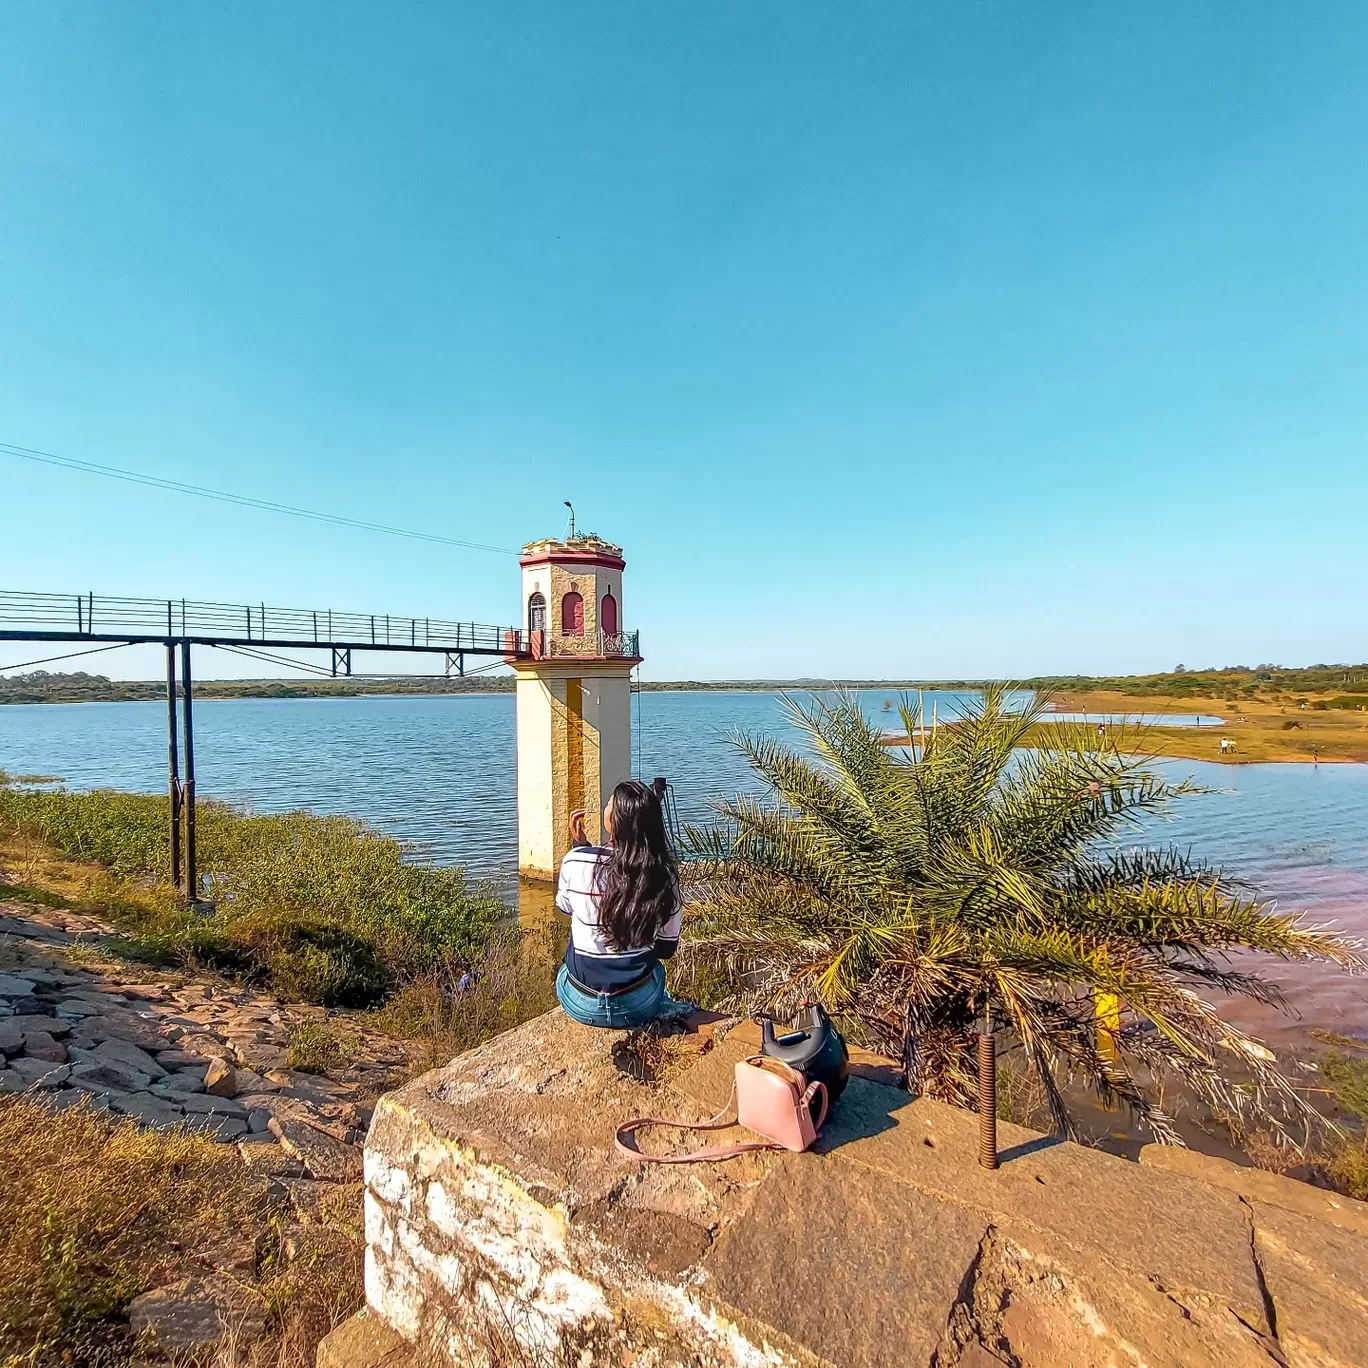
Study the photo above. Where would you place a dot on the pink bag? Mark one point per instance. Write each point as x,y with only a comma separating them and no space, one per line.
771,1099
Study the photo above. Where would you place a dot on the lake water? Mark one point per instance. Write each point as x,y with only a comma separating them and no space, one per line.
440,771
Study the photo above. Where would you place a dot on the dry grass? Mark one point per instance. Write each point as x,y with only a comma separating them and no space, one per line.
512,982
97,1211
315,1047
1262,735
1021,1097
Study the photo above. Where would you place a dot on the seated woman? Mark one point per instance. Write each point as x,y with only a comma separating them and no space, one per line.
623,902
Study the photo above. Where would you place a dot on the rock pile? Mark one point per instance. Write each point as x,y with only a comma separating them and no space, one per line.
170,1052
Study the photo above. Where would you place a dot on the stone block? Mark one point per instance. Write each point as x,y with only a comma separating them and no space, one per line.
363,1341
1316,1273
41,1045
146,1109
40,1073
204,1104
494,1198
860,1272
131,1056
87,1070
269,1158
1256,1185
14,1029
220,1079
12,986
182,1082
130,1026
322,1156
181,1059
1139,1220
222,1128
195,1313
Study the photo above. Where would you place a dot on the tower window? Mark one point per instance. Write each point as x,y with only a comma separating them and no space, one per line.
572,614
536,613
608,615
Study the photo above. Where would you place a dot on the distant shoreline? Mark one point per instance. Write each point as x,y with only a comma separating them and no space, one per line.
1277,730
151,691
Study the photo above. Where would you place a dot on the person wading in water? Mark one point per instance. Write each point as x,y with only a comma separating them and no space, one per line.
623,902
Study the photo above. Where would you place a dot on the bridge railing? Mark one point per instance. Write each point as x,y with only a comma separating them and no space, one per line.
104,615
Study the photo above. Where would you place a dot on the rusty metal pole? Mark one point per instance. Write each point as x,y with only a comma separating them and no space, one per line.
987,1090
172,764
188,787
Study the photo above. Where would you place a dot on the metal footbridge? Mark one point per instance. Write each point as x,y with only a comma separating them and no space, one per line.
180,624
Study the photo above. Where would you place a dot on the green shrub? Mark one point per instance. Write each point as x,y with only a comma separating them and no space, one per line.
323,908
1347,1167
1291,725
1350,702
1348,1078
314,1048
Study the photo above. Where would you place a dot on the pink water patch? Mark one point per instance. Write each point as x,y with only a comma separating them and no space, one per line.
1320,996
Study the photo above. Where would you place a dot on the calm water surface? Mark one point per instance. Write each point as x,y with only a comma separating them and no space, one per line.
439,771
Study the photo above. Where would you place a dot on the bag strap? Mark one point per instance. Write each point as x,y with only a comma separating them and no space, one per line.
627,1147
812,1089
623,1133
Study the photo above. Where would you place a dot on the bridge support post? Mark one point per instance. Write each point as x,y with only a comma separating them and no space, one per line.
173,765
188,787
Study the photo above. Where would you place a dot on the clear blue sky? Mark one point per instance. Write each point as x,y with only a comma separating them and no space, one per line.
890,340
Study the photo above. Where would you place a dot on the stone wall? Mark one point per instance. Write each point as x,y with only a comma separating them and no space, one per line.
501,1227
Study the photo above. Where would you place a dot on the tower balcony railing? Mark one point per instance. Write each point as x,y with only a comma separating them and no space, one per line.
544,645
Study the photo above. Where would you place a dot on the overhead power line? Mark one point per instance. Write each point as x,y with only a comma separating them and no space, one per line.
243,500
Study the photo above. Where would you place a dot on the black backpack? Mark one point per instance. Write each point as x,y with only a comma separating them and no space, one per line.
814,1047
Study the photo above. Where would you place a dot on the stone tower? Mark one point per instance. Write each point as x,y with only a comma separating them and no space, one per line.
573,661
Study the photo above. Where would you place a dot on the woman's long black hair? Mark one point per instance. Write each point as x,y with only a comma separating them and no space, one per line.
639,890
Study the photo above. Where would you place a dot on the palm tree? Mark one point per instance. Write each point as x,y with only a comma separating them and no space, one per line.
914,890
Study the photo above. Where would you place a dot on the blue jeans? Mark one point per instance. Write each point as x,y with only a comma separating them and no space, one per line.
619,1011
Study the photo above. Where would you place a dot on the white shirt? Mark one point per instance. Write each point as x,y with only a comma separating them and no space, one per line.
589,957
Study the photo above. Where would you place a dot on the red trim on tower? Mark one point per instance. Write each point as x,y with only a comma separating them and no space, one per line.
573,558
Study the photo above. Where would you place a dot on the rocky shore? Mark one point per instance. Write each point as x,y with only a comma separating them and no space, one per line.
169,1051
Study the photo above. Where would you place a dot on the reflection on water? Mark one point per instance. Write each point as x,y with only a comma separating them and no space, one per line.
439,771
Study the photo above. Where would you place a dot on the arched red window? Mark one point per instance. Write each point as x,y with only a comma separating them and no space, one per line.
572,615
608,615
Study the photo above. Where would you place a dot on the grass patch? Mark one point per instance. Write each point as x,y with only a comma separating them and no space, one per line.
98,1211
324,909
92,1205
452,1008
27,893
1347,1169
314,1048
1348,1079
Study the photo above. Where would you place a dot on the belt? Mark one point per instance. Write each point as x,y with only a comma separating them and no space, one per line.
611,992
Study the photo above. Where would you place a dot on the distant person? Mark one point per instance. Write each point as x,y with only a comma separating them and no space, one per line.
624,907
1225,744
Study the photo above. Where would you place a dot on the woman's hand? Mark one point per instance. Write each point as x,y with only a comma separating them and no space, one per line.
577,836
